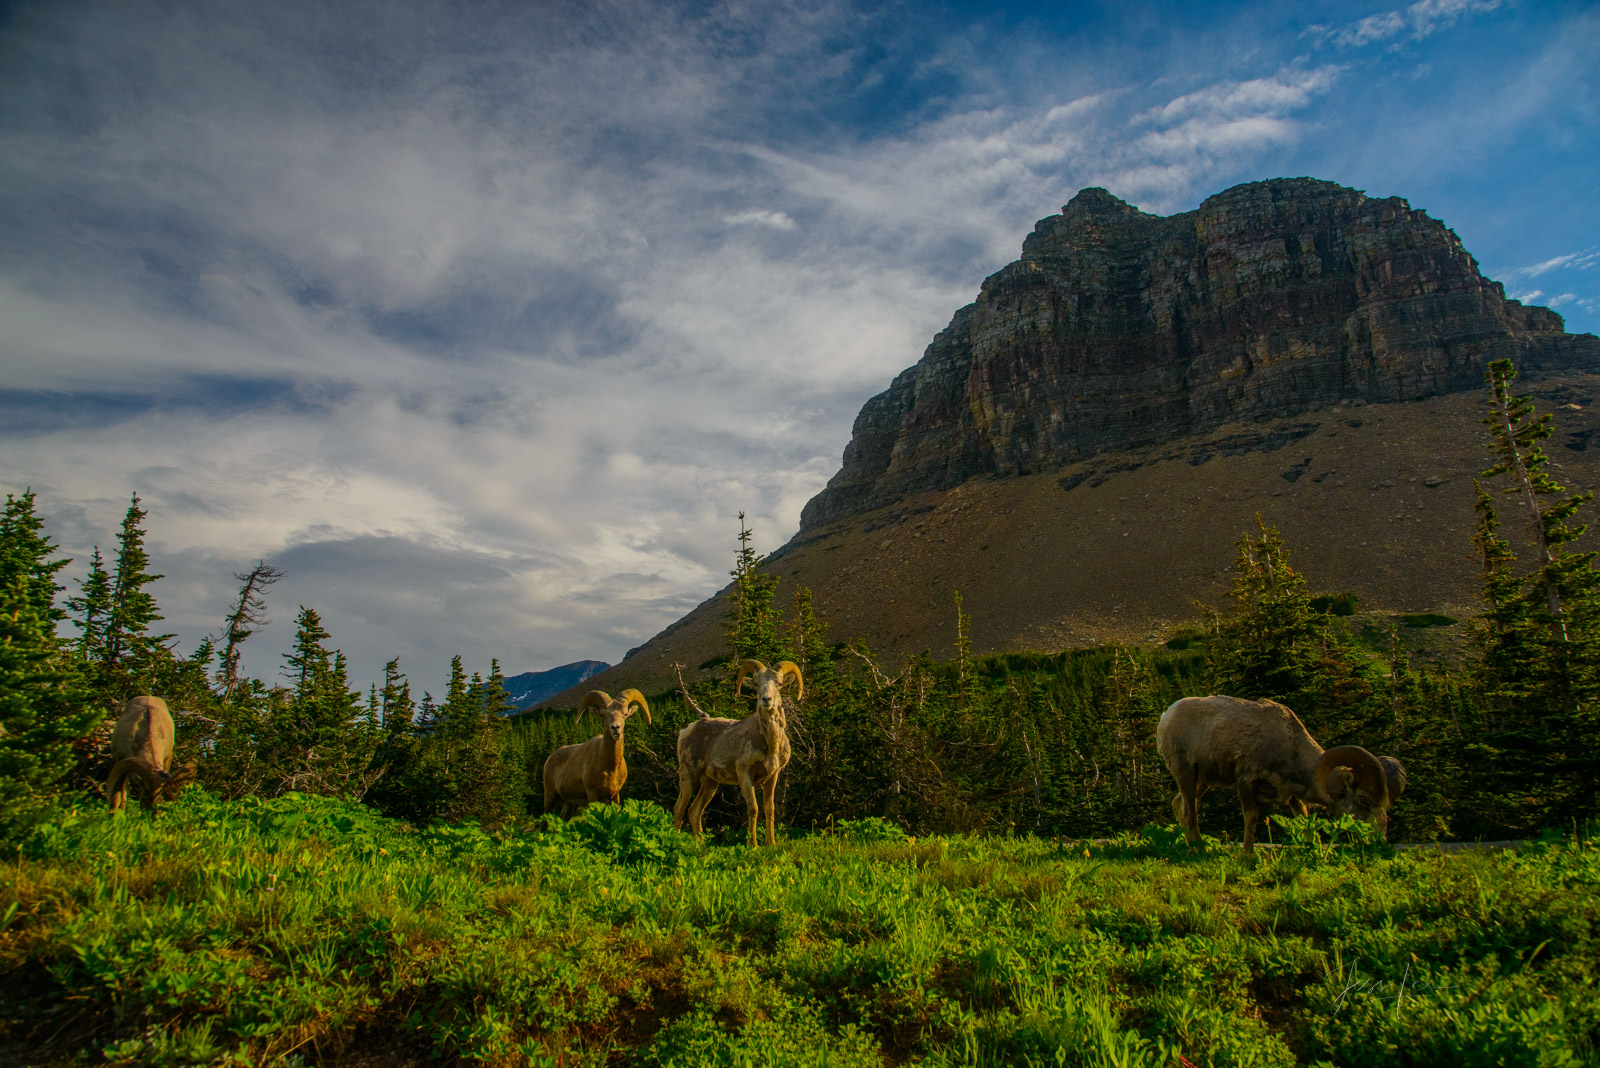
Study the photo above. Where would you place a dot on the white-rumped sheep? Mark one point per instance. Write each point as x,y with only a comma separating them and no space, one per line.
593,770
141,748
748,752
1263,751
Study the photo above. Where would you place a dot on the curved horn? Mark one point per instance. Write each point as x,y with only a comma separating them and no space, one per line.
788,667
140,769
634,697
592,699
1368,772
177,778
747,668
1394,774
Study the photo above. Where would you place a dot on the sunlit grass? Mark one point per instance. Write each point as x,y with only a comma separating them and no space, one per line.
304,930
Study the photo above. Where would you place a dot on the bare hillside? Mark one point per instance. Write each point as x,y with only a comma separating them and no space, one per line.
1371,498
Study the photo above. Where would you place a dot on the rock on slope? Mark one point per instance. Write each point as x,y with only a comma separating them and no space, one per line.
1117,329
1079,449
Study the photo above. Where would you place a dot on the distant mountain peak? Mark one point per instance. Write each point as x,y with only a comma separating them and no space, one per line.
531,687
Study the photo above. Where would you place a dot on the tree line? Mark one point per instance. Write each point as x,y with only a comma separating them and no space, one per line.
1503,743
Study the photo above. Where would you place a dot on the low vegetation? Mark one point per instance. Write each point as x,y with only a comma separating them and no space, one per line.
308,930
968,866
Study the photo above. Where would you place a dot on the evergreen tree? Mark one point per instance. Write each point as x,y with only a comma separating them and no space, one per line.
753,623
248,614
398,708
1541,630
25,556
42,706
1278,645
92,610
131,652
809,648
1266,648
964,686
321,743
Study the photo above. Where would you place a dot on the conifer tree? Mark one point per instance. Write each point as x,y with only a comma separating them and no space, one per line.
964,686
809,648
25,554
1277,645
92,610
42,706
320,742
1541,664
398,708
248,614
753,622
131,651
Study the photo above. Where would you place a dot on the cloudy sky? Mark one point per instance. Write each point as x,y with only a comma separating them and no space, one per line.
485,320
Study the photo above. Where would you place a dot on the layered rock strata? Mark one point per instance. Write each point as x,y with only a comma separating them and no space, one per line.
1121,330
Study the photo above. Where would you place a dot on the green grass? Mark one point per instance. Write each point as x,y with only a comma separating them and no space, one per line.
308,931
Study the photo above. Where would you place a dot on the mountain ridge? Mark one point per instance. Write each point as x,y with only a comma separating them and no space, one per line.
1117,328
1079,449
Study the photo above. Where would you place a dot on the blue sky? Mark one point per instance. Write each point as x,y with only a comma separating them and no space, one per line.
484,320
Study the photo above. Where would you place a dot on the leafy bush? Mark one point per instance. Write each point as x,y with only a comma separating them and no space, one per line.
634,832
869,829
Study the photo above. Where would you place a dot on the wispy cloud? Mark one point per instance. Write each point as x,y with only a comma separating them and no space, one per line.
1416,22
487,324
775,220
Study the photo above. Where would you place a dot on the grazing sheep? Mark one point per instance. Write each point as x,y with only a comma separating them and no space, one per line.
592,770
1264,752
141,748
747,752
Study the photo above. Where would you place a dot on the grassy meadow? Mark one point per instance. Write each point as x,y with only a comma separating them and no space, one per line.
308,930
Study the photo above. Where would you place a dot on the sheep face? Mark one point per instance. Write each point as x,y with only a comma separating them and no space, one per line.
768,685
1368,801
613,711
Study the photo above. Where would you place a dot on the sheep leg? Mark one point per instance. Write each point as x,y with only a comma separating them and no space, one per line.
697,811
770,788
1252,813
117,788
1187,803
681,807
748,787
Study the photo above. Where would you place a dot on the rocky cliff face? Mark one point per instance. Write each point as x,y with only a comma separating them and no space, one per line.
1121,330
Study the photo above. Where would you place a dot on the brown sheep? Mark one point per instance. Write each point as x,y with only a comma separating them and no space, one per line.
1263,751
748,752
141,748
594,770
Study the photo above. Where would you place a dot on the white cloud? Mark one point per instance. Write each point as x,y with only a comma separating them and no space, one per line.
492,338
1417,22
774,220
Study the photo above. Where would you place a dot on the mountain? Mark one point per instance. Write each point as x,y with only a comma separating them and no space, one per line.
531,687
1079,450
1118,329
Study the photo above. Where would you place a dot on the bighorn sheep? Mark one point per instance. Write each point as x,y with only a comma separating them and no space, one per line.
592,770
1263,751
750,751
141,748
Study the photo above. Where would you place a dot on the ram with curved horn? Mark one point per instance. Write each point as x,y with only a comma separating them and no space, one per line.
747,752
577,775
1263,751
141,750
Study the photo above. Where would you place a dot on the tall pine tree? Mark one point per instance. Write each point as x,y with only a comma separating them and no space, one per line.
42,706
1541,628
131,653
